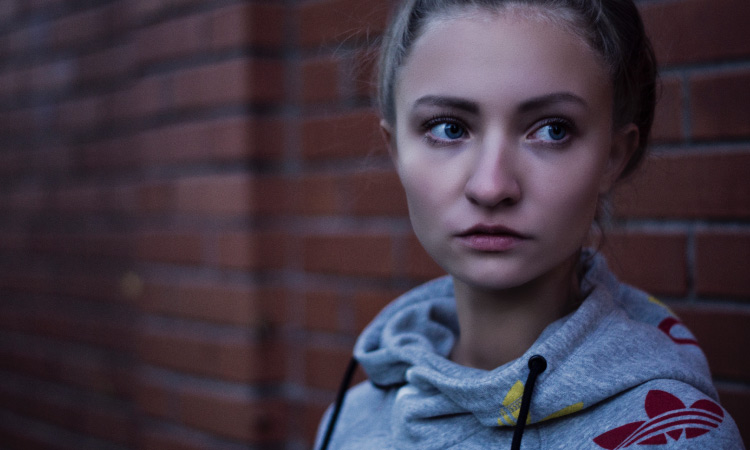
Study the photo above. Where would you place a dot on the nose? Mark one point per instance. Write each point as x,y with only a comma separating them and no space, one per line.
494,180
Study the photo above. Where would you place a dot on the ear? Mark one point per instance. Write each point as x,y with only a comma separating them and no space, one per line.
624,144
387,132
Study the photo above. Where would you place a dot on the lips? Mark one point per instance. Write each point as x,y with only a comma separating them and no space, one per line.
491,238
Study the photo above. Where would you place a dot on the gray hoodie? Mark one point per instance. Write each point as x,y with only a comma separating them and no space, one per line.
621,371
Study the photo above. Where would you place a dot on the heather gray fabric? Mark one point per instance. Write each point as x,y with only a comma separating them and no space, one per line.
622,371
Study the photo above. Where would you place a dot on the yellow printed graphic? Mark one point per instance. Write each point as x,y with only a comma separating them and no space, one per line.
511,405
655,301
575,407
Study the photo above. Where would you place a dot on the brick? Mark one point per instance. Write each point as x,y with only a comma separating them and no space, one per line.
89,286
155,399
247,420
349,254
719,105
91,25
327,21
654,262
156,197
213,140
321,311
141,10
220,194
11,241
736,400
722,263
8,10
80,114
117,152
38,4
231,82
104,65
31,199
172,39
17,436
11,82
220,303
168,440
324,367
66,325
717,30
271,195
355,134
107,375
143,98
722,333
311,420
29,38
267,137
319,194
255,24
688,185
376,193
252,251
169,247
51,76
80,413
668,116
226,357
419,264
89,245
80,198
367,305
320,80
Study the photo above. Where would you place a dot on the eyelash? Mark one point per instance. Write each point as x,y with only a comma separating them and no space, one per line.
429,124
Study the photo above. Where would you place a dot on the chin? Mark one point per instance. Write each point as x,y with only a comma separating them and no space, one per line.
495,280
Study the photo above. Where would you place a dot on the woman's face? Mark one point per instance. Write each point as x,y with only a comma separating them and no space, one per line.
504,142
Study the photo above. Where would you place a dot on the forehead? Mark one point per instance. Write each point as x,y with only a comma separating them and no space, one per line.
518,50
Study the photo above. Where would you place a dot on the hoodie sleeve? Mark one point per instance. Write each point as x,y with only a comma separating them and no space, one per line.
667,415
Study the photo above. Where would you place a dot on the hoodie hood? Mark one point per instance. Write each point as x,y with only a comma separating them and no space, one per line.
617,339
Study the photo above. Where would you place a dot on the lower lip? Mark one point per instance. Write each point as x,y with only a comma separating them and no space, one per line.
491,242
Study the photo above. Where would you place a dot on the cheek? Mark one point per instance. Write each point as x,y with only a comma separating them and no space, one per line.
573,195
422,195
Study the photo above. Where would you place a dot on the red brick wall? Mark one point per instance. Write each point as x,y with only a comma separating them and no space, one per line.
197,215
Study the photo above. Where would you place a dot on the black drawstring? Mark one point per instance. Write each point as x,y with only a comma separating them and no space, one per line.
348,375
537,365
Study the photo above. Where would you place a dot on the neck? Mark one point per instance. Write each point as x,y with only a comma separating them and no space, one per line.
499,326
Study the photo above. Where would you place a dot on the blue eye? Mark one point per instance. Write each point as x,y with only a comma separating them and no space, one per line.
555,132
552,132
448,131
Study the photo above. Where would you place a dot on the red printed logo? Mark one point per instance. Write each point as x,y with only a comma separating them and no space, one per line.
668,419
667,327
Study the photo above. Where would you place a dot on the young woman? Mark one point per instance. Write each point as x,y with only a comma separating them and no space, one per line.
508,122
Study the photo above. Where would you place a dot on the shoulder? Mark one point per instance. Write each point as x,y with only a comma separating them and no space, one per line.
364,417
667,414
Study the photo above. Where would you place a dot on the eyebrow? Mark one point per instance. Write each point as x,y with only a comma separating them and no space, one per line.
525,107
551,99
448,102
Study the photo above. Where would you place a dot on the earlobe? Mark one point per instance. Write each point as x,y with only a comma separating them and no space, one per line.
624,144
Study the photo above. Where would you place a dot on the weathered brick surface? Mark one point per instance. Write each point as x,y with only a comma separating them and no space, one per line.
198,213
654,262
689,185
722,263
719,105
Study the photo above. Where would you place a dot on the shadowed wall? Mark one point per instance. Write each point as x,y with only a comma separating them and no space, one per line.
198,216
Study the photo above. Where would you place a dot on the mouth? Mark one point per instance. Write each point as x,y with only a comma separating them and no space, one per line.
491,238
